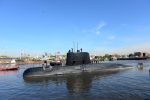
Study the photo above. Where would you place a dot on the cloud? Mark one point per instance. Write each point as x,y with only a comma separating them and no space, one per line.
96,30
101,25
112,37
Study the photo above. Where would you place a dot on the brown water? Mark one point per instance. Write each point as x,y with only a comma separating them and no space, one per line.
132,84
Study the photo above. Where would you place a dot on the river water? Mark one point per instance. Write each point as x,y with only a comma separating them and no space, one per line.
132,84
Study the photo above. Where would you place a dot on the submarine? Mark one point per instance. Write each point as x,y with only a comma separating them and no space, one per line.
76,63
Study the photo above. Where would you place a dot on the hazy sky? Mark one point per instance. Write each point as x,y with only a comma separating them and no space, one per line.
99,26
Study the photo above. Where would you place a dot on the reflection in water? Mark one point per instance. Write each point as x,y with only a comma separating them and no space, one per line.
8,72
78,84
74,83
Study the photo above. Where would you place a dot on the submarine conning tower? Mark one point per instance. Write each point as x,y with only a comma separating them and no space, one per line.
77,58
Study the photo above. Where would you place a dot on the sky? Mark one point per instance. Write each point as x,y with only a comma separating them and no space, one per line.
98,26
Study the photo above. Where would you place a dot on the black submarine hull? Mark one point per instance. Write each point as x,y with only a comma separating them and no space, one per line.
77,69
76,63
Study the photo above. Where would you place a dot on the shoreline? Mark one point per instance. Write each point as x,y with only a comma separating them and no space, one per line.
28,62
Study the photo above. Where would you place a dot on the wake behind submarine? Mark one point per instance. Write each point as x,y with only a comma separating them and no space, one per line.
76,63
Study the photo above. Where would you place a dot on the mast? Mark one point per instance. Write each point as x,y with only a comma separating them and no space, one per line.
73,46
77,46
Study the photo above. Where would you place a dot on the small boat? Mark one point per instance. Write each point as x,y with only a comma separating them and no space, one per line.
140,66
9,66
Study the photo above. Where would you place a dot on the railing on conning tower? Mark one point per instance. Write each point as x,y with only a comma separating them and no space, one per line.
74,51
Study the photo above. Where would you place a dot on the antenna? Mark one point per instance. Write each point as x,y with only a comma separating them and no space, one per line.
77,46
74,46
